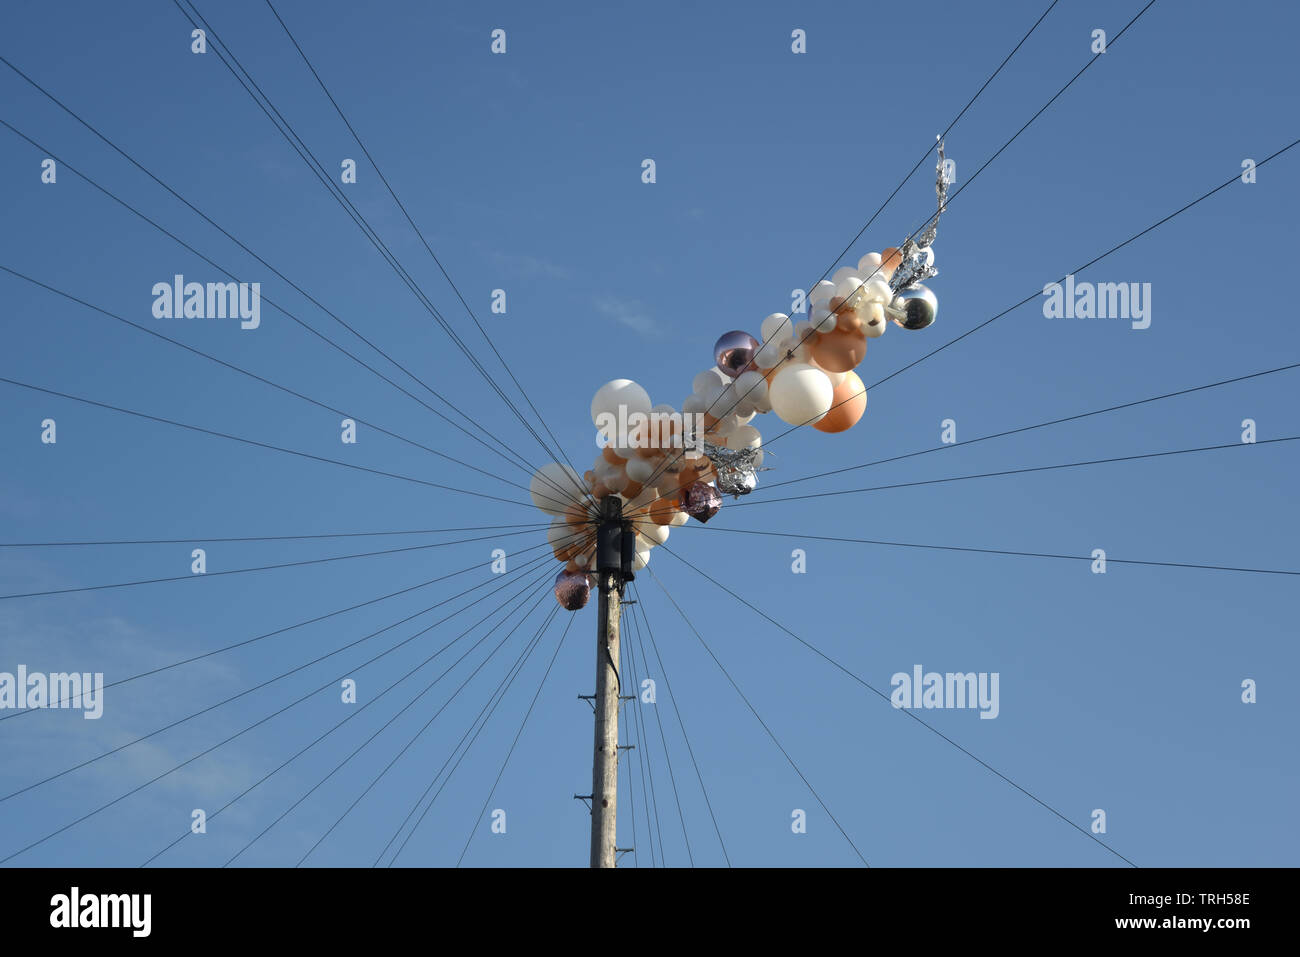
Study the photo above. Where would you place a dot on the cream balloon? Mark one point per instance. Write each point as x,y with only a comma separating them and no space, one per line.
619,394
776,326
555,487
800,393
639,469
641,560
656,534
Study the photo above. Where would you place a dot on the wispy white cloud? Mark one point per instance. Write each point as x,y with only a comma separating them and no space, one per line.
630,313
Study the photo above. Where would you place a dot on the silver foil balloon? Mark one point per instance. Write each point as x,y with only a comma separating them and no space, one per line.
701,501
913,307
737,468
572,589
735,352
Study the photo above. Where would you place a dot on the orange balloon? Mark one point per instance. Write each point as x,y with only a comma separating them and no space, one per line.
662,510
890,259
848,403
839,351
576,515
610,456
633,490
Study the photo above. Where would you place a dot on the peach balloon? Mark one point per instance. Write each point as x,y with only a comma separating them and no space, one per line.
890,259
610,456
847,405
576,515
661,511
839,351
633,490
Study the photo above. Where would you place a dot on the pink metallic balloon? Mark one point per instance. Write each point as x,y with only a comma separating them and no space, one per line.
701,501
735,352
572,589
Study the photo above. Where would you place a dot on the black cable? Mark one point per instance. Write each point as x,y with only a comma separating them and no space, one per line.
518,734
1039,425
1038,292
1021,471
498,445
195,757
630,765
494,704
649,802
907,711
672,777
263,445
523,656
429,687
305,153
1003,551
759,717
279,631
195,539
259,568
645,618
257,687
255,376
874,272
418,232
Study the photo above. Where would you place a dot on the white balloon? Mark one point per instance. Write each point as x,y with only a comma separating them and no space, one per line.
773,352
877,290
639,469
641,560
823,320
844,272
801,393
744,437
869,263
694,404
751,385
847,287
776,325
835,377
679,518
708,379
555,487
616,394
822,292
655,534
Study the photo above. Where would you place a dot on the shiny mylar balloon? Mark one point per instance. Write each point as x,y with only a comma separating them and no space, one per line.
735,352
914,307
572,589
700,501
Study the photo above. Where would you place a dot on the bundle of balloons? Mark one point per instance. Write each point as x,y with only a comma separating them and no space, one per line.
668,467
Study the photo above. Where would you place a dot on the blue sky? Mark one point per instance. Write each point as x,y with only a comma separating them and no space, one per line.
1119,691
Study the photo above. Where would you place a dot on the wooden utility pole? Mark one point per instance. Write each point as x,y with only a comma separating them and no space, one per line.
613,567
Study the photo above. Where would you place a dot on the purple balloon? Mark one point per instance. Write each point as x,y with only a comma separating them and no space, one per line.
735,352
572,589
701,501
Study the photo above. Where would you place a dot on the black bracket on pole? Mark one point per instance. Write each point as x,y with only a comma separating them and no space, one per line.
615,542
